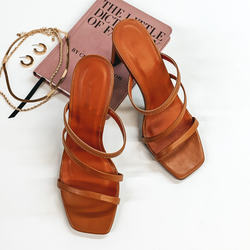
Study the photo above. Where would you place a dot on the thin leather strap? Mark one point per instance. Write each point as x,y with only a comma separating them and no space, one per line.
88,148
170,98
180,140
89,169
88,194
173,125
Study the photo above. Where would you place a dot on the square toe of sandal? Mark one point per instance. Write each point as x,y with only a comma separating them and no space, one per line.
185,159
89,215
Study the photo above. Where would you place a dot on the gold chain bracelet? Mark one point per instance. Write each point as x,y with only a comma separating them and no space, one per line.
53,32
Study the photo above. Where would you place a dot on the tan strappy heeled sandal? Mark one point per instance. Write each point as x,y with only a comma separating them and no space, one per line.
89,181
169,131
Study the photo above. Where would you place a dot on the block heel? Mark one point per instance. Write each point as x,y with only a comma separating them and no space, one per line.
115,59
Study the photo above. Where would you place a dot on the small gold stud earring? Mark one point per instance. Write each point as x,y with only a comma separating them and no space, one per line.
27,65
40,52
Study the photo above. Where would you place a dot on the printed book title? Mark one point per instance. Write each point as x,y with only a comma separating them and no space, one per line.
108,15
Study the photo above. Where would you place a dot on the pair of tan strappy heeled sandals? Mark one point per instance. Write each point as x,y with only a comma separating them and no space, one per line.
89,180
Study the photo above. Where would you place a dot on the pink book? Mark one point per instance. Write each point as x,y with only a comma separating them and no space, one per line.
92,34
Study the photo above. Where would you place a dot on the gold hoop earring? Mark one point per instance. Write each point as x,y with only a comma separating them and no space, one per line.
40,52
27,65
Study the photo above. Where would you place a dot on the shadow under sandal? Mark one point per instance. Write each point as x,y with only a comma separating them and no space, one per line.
169,131
89,180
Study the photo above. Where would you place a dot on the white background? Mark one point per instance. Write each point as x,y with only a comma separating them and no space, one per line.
208,210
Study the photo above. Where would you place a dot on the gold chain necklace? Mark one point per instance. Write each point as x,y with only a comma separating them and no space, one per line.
53,32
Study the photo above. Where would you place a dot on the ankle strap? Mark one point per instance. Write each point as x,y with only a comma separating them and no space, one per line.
170,98
87,147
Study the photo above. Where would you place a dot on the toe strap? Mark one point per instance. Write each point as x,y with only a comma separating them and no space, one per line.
179,141
88,194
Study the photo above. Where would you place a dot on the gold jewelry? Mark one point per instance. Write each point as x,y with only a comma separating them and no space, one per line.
40,52
27,65
53,32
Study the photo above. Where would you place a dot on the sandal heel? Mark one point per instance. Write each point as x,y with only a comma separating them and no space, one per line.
115,59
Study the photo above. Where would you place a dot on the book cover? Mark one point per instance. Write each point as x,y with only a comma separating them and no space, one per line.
92,34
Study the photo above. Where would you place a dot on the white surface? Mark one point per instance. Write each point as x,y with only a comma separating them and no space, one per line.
208,210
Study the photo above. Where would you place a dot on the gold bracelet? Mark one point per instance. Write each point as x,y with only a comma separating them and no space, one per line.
53,32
